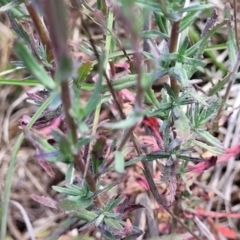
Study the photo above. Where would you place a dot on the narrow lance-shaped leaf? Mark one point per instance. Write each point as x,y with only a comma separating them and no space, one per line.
96,95
119,162
216,150
66,191
32,64
217,87
181,72
83,72
196,7
207,136
188,20
126,123
70,173
183,126
154,34
231,43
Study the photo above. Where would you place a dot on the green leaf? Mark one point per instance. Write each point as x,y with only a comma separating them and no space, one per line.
183,126
110,222
211,139
199,98
76,188
119,162
83,214
164,125
81,201
65,148
181,72
109,204
83,72
169,91
88,225
113,202
163,107
158,155
66,191
217,87
31,63
99,220
188,20
196,7
152,97
19,29
231,43
128,163
161,22
20,82
96,95
106,189
216,150
10,5
84,141
210,112
70,173
126,123
154,34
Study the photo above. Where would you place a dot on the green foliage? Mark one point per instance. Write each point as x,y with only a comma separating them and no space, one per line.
80,141
33,66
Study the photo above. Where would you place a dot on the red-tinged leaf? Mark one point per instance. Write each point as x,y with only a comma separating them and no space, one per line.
45,201
127,95
142,182
235,149
53,126
24,121
152,124
230,152
164,228
125,208
128,228
45,124
149,141
212,214
35,97
47,167
227,232
124,65
202,166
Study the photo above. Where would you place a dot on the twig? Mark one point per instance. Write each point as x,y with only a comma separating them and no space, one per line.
41,30
139,99
232,78
173,45
55,16
235,23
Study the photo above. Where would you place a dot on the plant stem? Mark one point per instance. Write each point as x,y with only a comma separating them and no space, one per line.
133,137
235,23
80,165
232,78
56,16
173,45
41,30
66,101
